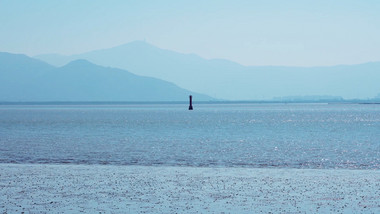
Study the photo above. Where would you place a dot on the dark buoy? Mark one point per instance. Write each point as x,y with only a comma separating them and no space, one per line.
191,103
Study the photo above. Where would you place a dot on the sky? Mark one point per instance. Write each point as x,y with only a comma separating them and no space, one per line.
267,32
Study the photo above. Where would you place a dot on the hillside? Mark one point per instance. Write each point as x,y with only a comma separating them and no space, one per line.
26,79
228,80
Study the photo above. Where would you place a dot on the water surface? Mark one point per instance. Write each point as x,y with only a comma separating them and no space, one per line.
218,135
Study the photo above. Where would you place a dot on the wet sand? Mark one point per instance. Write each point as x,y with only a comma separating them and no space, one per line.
149,189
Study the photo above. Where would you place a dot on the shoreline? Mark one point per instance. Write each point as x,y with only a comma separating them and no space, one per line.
179,189
185,102
186,166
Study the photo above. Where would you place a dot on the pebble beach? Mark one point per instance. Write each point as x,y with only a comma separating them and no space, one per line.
38,188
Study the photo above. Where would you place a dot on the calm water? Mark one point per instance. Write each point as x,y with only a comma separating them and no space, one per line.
232,135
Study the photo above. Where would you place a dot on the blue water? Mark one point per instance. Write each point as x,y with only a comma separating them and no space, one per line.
218,135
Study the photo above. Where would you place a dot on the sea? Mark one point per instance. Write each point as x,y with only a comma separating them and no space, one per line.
253,135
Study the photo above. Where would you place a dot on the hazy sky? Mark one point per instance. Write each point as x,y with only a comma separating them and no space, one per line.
268,32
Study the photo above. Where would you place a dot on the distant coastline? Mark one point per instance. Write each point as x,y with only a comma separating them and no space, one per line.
375,102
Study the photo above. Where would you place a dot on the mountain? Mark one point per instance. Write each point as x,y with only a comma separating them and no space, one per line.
228,80
309,99
26,79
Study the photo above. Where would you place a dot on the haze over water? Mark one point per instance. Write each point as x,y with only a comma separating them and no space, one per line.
343,136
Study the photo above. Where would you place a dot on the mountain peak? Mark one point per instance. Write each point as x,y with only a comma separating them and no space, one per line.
136,45
138,42
79,63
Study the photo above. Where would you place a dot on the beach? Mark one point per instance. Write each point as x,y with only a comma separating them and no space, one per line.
46,188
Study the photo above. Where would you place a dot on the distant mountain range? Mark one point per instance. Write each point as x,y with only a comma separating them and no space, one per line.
27,79
228,80
309,99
